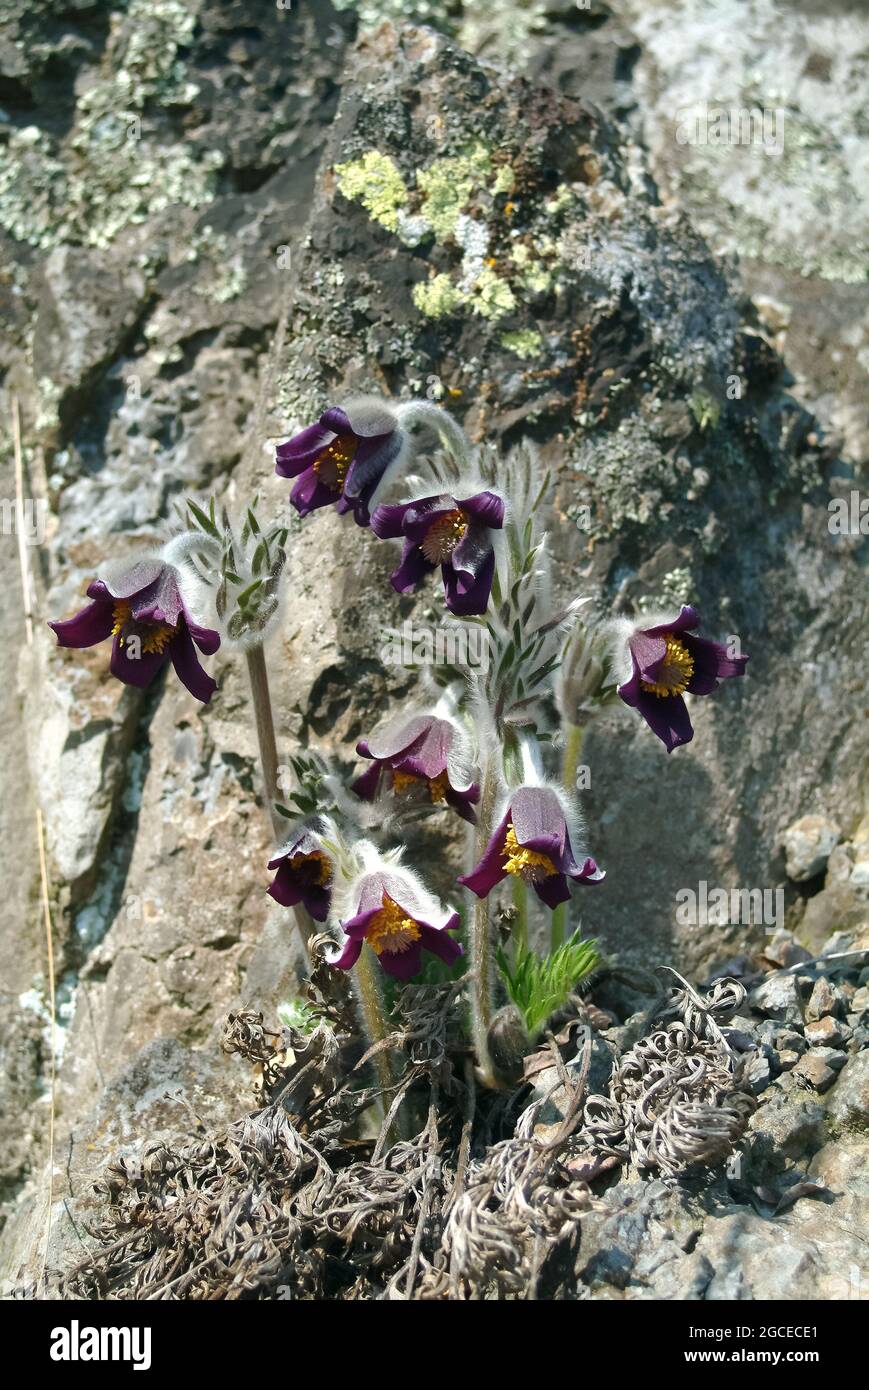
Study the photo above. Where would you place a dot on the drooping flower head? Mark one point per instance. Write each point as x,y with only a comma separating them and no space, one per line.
389,909
533,842
304,874
455,533
344,458
659,664
420,756
141,607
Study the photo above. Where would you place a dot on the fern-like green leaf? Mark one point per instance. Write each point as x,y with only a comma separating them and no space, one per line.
538,985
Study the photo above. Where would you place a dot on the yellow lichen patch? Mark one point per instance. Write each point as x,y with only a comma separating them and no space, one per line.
492,297
447,186
527,864
391,930
374,181
526,343
676,669
438,297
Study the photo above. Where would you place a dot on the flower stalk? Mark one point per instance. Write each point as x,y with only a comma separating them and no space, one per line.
368,987
482,961
268,753
573,736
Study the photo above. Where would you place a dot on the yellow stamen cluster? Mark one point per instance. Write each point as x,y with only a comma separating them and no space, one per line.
527,864
444,535
153,636
331,465
675,671
323,869
391,930
407,781
122,614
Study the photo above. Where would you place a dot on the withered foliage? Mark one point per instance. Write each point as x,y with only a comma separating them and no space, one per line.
487,1197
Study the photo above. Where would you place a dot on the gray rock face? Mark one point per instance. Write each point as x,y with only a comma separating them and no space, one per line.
848,1106
600,325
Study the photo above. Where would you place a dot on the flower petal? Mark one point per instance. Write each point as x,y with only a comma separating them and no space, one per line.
485,507
91,625
466,596
712,662
402,965
309,494
667,716
440,943
345,954
283,887
490,870
413,569
136,670
187,667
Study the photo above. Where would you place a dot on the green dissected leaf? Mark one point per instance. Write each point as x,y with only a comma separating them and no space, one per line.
202,519
538,985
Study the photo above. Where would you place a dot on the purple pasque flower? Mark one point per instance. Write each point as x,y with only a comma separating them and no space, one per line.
532,842
399,919
662,663
420,756
452,532
343,458
304,874
141,607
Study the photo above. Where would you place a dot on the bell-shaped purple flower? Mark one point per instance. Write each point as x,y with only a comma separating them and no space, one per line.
419,755
343,458
141,608
452,532
399,920
666,661
532,842
304,874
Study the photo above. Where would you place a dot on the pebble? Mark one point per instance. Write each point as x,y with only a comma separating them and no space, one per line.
824,1000
808,844
778,997
825,1032
815,1071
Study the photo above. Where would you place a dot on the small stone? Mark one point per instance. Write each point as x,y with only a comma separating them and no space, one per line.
808,844
815,1071
825,1032
834,1057
778,997
758,1072
823,1000
788,1059
783,949
789,1040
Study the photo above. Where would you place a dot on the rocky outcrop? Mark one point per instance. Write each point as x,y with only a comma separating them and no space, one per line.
433,226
